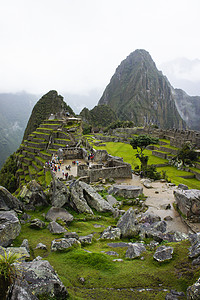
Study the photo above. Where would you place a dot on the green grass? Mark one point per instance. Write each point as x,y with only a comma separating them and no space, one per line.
48,178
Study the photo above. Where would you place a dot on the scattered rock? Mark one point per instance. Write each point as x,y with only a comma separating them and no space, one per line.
25,217
41,246
37,224
54,227
111,233
168,218
26,245
71,235
59,213
116,245
22,251
159,226
8,201
174,295
135,250
128,224
193,291
82,280
118,260
112,200
147,184
98,226
87,239
64,244
112,253
149,218
9,227
163,253
182,186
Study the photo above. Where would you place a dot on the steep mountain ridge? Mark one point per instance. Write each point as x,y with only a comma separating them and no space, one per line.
140,93
50,103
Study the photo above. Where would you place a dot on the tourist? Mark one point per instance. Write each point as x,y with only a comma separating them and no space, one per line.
66,176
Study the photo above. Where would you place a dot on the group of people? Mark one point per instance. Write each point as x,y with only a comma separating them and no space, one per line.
91,157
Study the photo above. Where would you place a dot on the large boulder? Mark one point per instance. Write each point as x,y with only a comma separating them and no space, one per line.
42,279
8,201
126,191
94,200
194,250
33,195
9,227
56,213
135,250
128,224
59,193
188,201
78,202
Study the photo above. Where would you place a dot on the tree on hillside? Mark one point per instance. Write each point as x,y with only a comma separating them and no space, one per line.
186,155
140,143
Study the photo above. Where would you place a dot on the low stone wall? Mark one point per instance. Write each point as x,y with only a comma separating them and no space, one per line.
159,154
116,172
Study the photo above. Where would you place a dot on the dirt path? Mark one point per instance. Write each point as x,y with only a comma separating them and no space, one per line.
160,195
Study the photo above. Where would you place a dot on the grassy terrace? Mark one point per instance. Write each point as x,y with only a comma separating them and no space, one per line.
128,154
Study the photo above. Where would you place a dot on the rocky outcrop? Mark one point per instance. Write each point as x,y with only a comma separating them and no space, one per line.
128,224
126,191
94,200
56,213
59,193
135,250
37,224
78,202
188,201
8,201
33,195
86,239
9,227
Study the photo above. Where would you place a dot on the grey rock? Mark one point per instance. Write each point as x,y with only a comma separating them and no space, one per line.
159,226
112,200
194,250
111,233
113,253
196,261
149,218
163,253
128,224
118,245
188,201
37,224
20,291
168,218
174,295
182,186
41,246
8,201
94,200
118,260
64,244
166,206
9,227
193,291
78,202
54,227
25,217
135,250
153,245
26,245
42,279
55,213
33,195
71,235
147,184
87,239
59,193
126,191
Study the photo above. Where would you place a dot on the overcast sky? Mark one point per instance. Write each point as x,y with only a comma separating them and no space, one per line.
74,46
